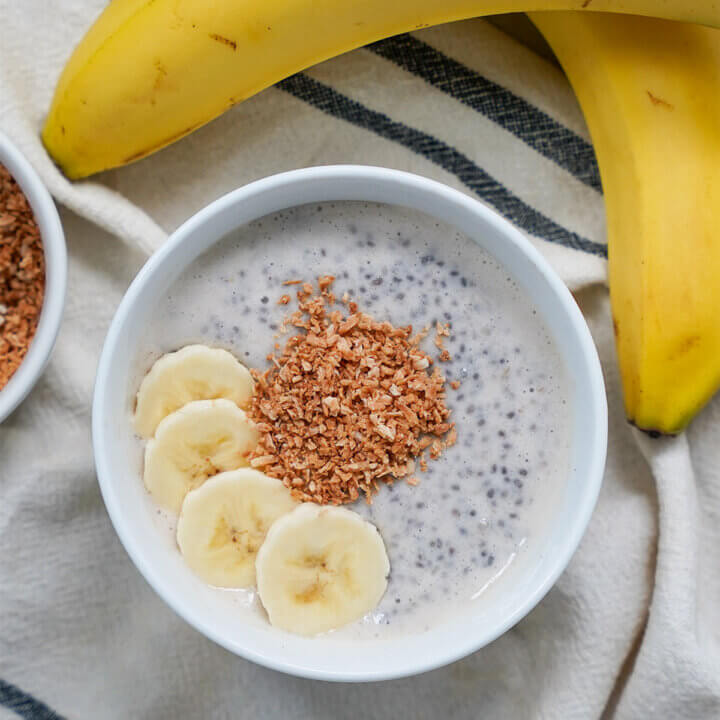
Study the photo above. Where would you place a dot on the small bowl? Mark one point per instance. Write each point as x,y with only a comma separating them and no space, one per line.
53,241
329,657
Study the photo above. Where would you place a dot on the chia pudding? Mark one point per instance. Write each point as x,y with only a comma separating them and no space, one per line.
482,509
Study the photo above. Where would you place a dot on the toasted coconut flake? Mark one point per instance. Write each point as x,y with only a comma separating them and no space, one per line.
262,460
420,363
325,282
348,404
22,276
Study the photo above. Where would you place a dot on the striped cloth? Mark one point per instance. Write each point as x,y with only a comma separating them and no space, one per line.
630,630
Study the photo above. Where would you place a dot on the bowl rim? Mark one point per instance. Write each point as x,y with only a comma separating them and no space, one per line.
273,183
52,238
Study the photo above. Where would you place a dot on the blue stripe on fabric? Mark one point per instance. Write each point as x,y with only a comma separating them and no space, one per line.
512,112
24,705
333,103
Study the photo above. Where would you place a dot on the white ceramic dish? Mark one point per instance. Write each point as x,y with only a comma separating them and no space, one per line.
53,241
328,657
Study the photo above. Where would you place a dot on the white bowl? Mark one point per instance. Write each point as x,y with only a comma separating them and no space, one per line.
329,657
53,241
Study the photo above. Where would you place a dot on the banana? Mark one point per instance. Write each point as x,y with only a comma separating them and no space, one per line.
224,522
149,72
320,568
196,372
201,439
650,92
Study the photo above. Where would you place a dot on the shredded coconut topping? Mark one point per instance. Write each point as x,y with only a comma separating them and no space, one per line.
347,404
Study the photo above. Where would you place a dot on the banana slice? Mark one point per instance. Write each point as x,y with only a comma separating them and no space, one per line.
320,568
200,440
196,372
223,523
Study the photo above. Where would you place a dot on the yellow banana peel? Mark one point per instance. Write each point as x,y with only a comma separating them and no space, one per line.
650,93
149,72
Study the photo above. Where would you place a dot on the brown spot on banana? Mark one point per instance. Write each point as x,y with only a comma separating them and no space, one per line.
655,100
586,3
685,346
223,40
161,74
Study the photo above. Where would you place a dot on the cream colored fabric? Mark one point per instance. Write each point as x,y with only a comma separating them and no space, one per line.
632,627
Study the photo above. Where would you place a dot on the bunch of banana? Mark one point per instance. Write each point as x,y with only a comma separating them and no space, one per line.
150,71
650,92
316,568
